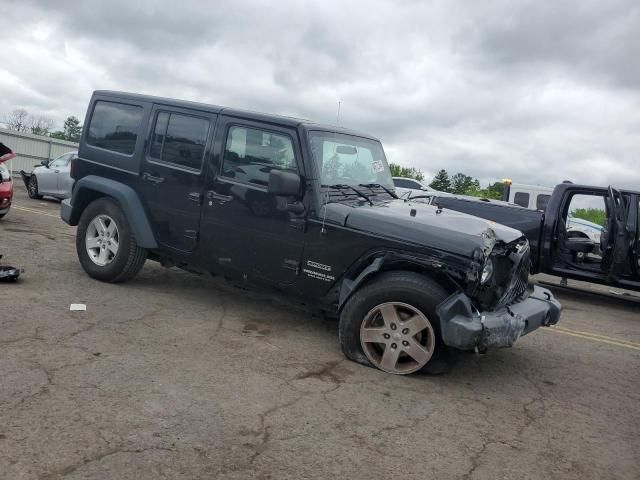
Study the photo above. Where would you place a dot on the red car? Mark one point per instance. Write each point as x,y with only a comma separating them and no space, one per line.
6,190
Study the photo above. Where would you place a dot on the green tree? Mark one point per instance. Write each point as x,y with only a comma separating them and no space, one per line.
72,129
407,172
595,215
441,182
463,184
495,190
59,134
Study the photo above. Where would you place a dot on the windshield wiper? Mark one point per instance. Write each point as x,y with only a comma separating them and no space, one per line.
341,186
379,185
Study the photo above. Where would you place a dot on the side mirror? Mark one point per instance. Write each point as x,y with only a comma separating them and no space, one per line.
283,183
45,163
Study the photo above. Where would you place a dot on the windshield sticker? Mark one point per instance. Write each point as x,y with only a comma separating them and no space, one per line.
377,166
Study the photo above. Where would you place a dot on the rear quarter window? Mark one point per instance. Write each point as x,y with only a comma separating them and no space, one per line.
403,183
522,199
114,126
542,201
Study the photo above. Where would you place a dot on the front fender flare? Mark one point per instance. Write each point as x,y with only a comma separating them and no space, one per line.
126,197
349,286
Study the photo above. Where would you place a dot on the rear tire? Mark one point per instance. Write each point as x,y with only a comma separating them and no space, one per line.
367,335
32,188
123,258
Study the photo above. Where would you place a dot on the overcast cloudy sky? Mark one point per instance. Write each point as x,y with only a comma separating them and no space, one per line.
540,91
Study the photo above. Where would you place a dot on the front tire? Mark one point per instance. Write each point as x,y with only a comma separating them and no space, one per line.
391,323
32,188
106,246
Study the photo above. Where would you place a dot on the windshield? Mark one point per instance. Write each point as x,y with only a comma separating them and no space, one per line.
349,160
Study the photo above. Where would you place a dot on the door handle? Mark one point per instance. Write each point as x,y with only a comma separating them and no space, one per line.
56,171
195,197
152,179
216,196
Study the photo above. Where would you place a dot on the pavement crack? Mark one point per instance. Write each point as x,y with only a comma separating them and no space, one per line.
36,336
477,457
530,415
69,469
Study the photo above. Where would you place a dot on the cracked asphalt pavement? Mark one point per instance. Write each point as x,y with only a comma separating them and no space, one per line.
178,376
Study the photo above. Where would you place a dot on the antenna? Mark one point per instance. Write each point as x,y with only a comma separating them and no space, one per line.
323,230
338,115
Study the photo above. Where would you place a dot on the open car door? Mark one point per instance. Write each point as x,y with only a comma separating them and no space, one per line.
616,240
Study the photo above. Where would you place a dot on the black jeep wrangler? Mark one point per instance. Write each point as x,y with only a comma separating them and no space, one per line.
304,208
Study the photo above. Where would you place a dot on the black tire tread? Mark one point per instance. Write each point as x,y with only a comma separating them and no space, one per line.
35,196
380,286
135,262
136,255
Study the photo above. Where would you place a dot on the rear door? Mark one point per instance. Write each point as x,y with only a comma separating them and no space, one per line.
173,174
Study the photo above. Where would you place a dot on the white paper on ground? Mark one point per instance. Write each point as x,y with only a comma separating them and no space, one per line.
77,307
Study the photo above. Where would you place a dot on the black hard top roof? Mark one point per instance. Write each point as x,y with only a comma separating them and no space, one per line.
247,114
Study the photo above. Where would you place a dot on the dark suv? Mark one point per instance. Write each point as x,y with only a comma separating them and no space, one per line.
304,208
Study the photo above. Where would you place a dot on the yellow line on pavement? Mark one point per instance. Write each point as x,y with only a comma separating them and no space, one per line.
595,337
18,207
604,337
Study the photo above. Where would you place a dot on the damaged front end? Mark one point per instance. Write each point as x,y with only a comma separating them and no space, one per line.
498,307
26,177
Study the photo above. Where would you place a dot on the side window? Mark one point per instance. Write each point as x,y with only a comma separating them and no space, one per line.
114,126
179,139
638,228
587,212
542,201
61,161
250,154
522,199
402,183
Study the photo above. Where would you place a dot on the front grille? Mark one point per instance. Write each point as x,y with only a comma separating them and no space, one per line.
519,280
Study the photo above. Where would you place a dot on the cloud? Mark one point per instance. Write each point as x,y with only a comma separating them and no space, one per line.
537,92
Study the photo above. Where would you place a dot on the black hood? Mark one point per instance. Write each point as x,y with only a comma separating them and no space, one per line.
421,224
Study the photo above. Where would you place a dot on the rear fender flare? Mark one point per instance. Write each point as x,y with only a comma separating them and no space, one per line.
85,190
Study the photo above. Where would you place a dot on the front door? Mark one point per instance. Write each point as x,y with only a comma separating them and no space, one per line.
173,175
636,251
592,240
48,176
64,181
246,230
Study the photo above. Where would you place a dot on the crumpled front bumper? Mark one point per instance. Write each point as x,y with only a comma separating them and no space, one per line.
466,329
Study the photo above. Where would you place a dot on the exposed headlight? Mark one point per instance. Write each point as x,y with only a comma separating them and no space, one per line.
487,271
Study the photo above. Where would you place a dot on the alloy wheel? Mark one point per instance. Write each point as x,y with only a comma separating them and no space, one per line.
33,187
102,240
397,338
